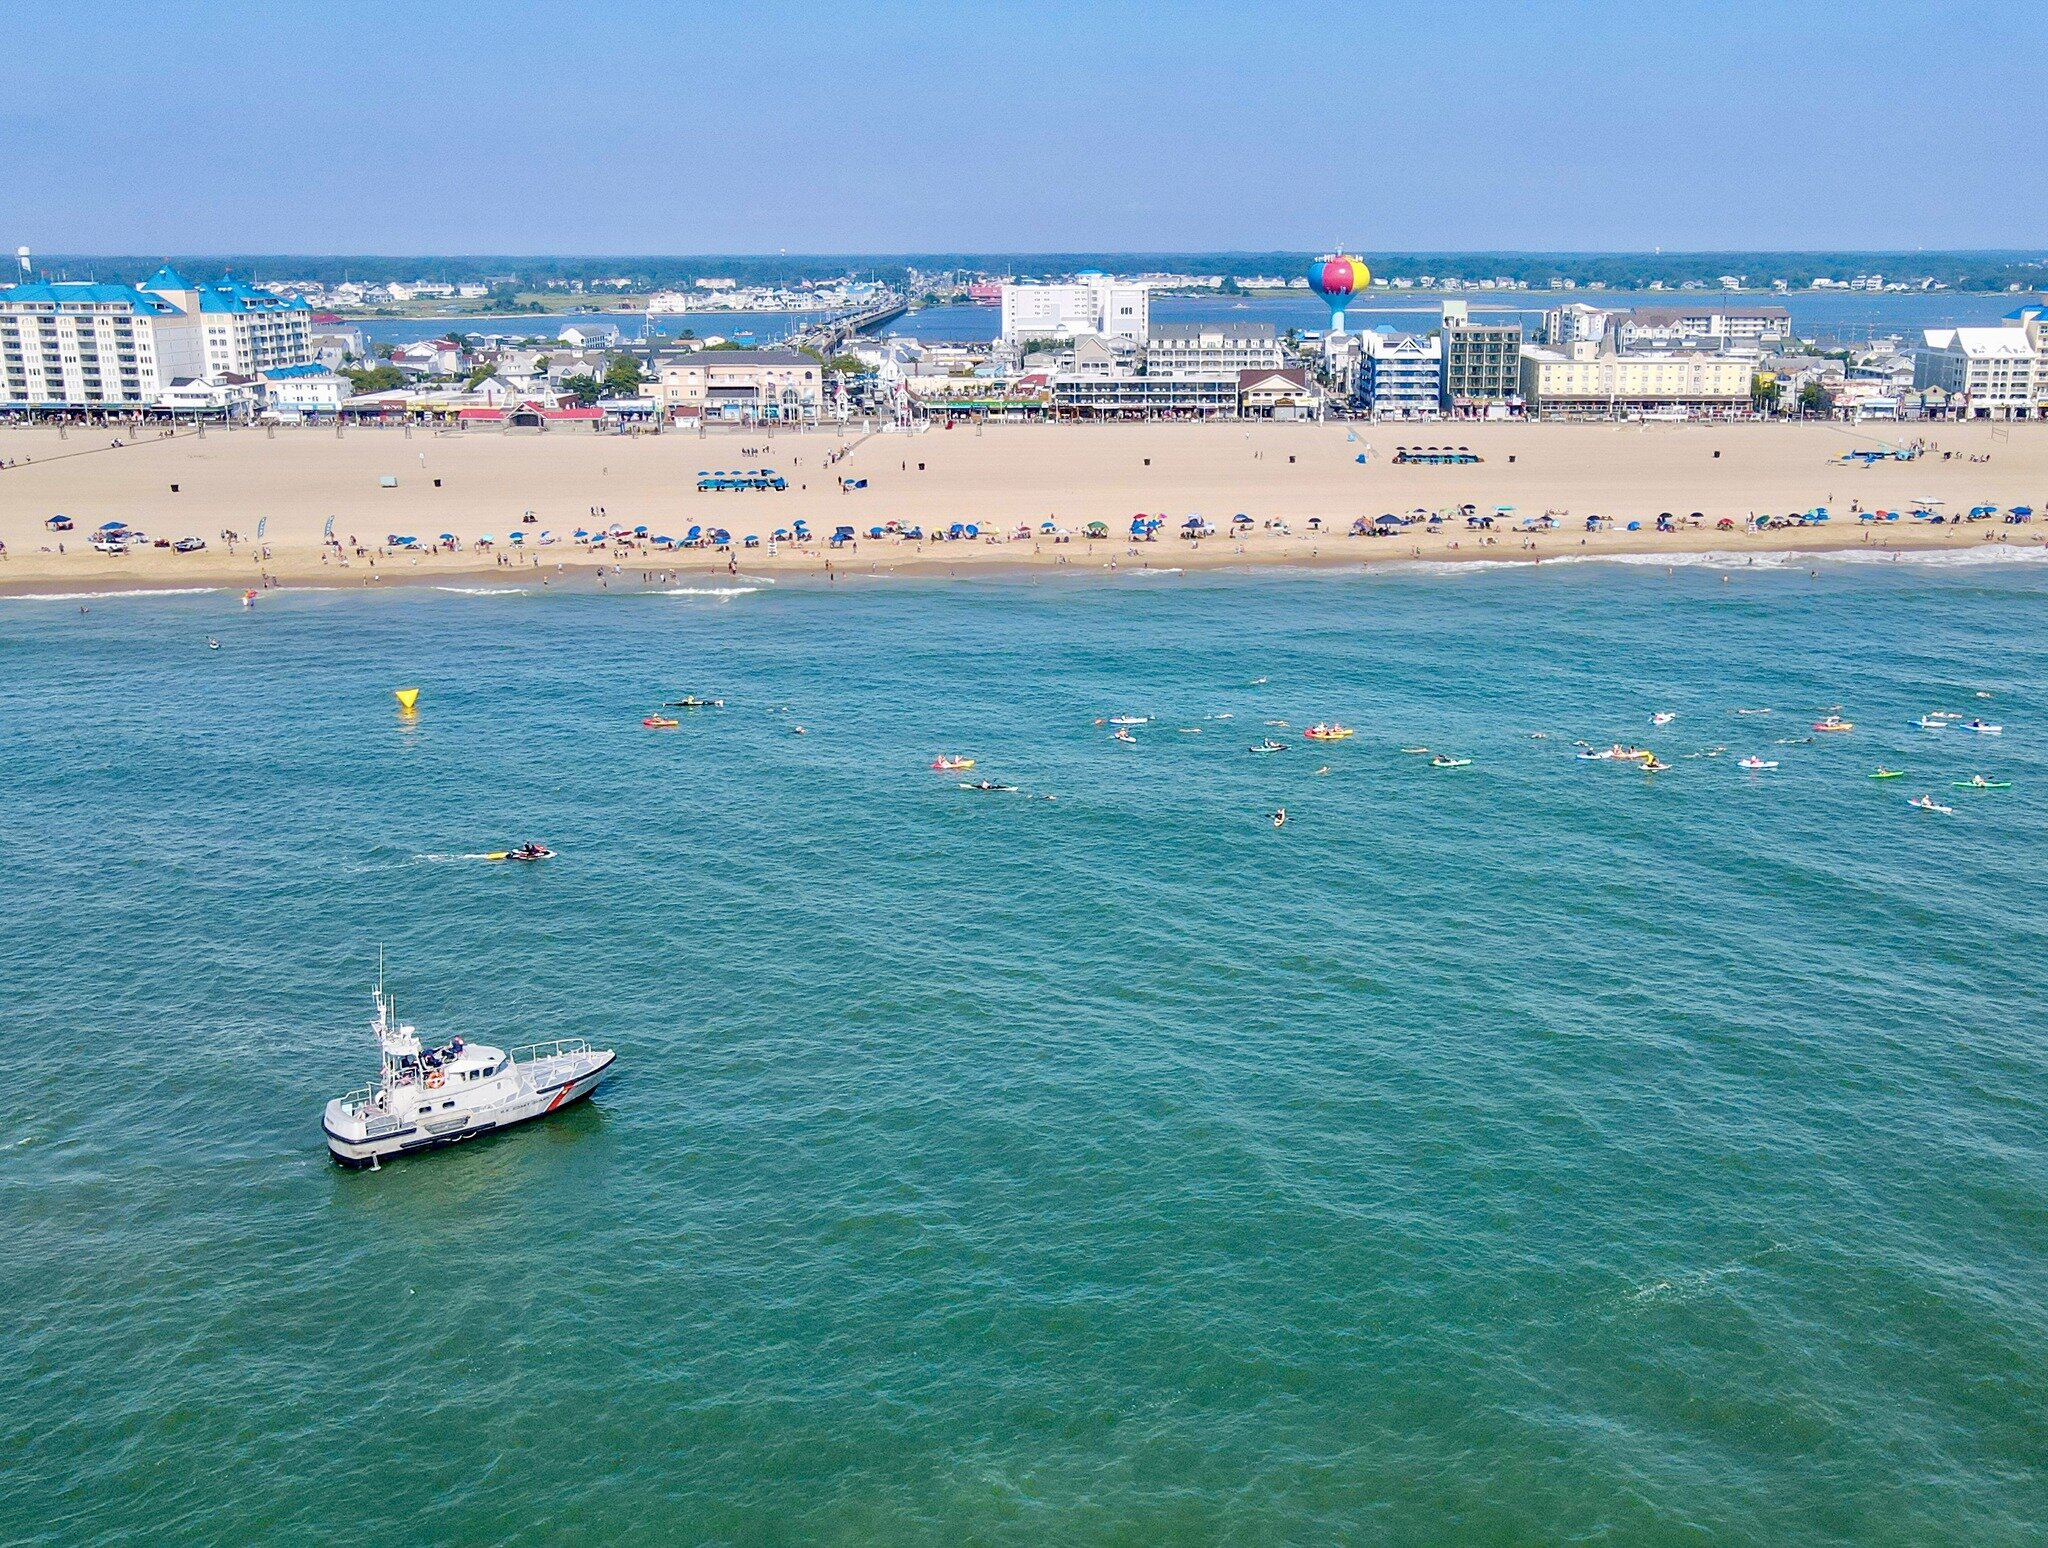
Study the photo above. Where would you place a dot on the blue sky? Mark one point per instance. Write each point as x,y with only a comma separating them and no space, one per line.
623,127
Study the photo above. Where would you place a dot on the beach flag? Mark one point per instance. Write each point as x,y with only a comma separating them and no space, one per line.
328,530
261,523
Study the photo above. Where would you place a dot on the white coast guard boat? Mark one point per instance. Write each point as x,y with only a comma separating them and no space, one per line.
424,1098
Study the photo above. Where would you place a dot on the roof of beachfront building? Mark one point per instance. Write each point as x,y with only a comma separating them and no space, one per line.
60,291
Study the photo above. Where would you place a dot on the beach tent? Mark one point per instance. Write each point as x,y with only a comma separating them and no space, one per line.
1101,528
693,534
113,526
720,536
59,523
750,541
545,538
1240,520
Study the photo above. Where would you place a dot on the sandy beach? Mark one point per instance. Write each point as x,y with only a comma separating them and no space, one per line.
472,483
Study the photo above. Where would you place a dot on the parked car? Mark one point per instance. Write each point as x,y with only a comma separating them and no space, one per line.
188,545
107,545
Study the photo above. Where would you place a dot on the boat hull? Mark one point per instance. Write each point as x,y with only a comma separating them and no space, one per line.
357,1153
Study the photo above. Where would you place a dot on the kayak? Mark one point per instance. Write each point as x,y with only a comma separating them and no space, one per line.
985,784
1982,728
659,722
1757,763
1122,735
1929,804
693,702
1934,722
1415,749
1652,766
1663,718
1450,763
1982,784
1329,733
1268,746
1834,723
1130,720
952,765
1889,774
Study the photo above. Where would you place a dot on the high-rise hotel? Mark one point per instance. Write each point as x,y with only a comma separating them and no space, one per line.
70,344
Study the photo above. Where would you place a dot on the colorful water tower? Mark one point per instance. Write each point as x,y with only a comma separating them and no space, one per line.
1337,277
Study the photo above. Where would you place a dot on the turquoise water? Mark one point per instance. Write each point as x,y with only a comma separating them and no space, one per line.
1528,1153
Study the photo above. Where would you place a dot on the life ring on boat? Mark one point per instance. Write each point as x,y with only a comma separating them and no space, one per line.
435,1080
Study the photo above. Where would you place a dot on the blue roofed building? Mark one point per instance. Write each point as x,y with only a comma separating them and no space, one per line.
87,345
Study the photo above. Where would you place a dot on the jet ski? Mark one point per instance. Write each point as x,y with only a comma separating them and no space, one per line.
1267,746
526,852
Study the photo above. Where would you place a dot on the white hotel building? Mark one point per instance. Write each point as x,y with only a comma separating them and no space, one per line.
79,345
1091,303
1989,373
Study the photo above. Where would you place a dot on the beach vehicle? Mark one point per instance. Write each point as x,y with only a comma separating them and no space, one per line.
109,545
1834,723
659,722
188,545
425,1098
1927,803
1756,763
1331,732
1268,746
1981,727
1979,782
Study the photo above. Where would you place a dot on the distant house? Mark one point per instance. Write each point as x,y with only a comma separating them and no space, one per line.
430,357
495,392
589,338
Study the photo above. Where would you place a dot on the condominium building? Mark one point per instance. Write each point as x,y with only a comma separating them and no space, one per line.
74,345
1700,327
1090,303
1584,382
67,344
1575,323
1401,376
241,329
1989,373
1212,349
1482,362
742,384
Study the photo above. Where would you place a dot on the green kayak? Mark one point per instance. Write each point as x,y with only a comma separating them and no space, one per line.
1982,784
1889,774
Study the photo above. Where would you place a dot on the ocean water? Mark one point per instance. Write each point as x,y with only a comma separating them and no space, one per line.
1532,1152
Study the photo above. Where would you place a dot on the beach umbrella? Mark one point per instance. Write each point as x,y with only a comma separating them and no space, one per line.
579,534
1503,510
693,534
1192,522
1241,520
973,530
1388,520
515,537
1635,526
782,534
446,537
639,532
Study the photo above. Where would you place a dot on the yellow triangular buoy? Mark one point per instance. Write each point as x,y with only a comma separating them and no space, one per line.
408,698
